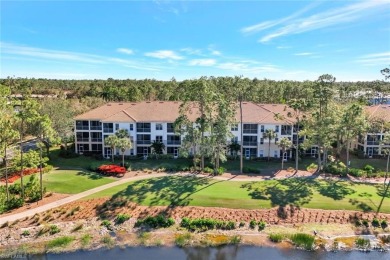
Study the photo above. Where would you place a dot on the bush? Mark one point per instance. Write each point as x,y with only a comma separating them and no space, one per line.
276,238
208,170
203,224
369,169
385,239
312,167
155,222
384,224
60,242
108,241
302,240
262,225
67,154
54,230
111,169
220,171
252,224
375,223
107,224
14,202
94,166
122,218
85,239
25,233
242,224
78,227
250,170
356,172
337,168
183,239
362,243
365,222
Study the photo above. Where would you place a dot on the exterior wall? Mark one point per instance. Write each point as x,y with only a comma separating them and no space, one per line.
370,144
259,148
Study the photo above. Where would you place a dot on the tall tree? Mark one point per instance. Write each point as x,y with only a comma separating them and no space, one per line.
352,123
270,135
284,145
158,148
386,150
111,141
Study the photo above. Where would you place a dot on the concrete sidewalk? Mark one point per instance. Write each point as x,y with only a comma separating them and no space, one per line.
32,212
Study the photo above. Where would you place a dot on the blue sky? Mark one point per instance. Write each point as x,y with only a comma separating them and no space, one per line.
295,40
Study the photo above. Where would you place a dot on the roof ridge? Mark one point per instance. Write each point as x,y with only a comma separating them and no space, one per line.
124,111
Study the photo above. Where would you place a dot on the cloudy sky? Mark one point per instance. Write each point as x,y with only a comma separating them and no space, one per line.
296,40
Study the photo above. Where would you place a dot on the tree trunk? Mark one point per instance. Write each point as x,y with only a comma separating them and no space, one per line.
297,149
319,158
112,154
123,159
21,160
6,172
40,171
241,149
347,164
282,159
269,148
387,168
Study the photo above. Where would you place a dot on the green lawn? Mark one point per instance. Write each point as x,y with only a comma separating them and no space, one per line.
305,192
71,181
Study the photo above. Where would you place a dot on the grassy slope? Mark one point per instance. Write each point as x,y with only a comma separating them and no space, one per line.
250,195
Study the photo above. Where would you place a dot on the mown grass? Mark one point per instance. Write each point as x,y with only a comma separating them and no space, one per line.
306,192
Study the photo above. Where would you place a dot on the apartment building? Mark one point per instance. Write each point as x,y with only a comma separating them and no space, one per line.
369,144
149,121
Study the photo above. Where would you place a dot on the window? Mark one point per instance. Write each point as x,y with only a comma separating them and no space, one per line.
82,148
82,137
159,138
96,125
250,140
234,139
173,140
143,127
286,129
131,127
250,129
143,139
96,148
276,154
143,151
96,137
276,128
234,127
173,151
276,140
116,127
159,127
108,128
261,140
262,129
107,152
170,128
261,153
82,125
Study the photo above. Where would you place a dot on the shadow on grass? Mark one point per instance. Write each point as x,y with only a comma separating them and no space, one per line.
384,192
293,191
171,190
336,190
90,175
361,205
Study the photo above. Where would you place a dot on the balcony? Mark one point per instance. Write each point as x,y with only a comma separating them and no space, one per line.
80,139
97,127
249,143
82,127
96,140
108,130
143,142
373,142
174,142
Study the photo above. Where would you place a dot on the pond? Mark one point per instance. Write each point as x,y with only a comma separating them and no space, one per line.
230,252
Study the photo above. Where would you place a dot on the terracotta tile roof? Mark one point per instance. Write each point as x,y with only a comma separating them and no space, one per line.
168,111
381,112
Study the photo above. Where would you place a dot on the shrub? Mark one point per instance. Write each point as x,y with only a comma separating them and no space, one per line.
369,169
208,170
365,222
25,233
356,172
276,238
385,239
384,224
111,169
302,240
375,222
358,223
312,167
107,224
14,202
183,239
221,171
108,241
252,224
362,243
54,230
262,225
155,222
85,239
250,170
235,240
69,153
242,224
77,227
60,242
122,218
203,224
94,166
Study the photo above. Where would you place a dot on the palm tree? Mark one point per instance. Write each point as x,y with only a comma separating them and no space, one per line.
122,133
158,147
269,134
123,144
111,141
284,144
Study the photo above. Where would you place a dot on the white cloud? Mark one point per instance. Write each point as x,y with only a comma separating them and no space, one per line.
202,62
164,54
192,51
295,24
283,47
125,51
245,68
375,59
